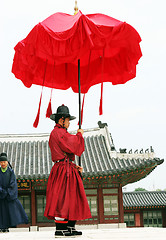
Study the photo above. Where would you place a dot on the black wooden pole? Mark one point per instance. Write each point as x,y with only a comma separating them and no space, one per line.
79,100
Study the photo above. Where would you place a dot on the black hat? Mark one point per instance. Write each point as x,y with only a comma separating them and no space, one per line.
3,157
62,111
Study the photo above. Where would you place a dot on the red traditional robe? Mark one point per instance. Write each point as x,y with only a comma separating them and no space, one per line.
65,196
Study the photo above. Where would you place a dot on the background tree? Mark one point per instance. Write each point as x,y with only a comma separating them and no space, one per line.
139,189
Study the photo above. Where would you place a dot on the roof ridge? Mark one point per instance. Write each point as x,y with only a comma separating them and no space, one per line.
10,135
135,192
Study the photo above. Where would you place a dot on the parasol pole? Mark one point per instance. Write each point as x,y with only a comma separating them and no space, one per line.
79,84
79,93
79,100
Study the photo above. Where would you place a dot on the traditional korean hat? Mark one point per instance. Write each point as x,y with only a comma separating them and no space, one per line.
3,157
62,111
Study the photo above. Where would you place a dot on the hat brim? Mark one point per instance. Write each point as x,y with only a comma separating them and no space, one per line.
3,159
54,115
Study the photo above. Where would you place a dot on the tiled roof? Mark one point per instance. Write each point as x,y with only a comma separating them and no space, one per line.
144,199
31,159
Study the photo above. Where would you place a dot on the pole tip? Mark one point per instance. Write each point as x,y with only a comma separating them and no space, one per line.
75,8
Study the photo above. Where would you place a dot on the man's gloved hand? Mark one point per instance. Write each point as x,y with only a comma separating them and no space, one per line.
79,168
81,131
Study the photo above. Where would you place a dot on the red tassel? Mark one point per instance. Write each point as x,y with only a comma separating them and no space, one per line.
82,109
101,97
49,108
36,122
101,101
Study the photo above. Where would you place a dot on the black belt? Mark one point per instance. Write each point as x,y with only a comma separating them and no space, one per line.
62,160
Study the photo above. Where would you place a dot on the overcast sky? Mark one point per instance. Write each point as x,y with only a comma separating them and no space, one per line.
135,112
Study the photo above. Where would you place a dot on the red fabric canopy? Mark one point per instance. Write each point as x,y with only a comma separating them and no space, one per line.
108,50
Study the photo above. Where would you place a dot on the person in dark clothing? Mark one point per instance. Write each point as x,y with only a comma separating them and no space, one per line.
11,211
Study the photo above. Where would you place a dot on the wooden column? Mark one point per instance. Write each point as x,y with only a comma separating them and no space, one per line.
164,217
33,207
141,219
100,205
137,220
120,202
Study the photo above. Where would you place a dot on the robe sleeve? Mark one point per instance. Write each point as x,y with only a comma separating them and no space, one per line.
12,191
3,193
72,143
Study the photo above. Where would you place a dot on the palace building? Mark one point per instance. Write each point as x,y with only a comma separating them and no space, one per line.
145,209
106,171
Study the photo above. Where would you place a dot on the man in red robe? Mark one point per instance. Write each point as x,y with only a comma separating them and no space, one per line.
66,200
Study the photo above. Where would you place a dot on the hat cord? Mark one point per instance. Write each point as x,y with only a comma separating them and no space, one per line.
63,118
10,165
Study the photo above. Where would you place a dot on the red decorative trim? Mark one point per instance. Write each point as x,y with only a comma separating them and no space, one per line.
57,221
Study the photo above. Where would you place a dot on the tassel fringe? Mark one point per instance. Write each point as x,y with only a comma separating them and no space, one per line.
36,122
82,110
101,101
49,108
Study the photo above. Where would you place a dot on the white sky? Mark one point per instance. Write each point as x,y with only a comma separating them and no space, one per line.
135,112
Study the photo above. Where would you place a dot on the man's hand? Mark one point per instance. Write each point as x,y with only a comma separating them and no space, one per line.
81,131
79,168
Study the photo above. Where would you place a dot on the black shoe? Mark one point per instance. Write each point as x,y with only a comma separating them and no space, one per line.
5,230
62,233
73,231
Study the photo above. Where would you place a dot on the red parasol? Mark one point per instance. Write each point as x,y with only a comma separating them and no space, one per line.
64,49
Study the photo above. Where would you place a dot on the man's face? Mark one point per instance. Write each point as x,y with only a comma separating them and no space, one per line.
67,123
3,164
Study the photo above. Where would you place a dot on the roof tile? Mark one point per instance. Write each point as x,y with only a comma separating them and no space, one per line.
144,199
